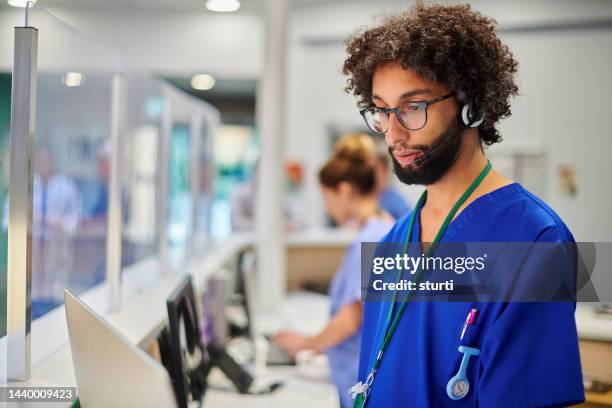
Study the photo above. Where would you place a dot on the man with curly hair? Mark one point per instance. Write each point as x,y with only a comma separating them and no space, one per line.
436,81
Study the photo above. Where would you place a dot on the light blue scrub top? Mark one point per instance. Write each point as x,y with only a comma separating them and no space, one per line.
529,351
392,202
345,289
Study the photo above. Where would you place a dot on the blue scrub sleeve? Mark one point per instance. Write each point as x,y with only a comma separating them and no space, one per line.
530,355
530,358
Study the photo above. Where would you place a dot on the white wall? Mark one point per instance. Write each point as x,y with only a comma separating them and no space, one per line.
559,70
565,87
229,46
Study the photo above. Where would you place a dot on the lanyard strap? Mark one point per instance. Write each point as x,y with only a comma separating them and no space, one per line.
390,328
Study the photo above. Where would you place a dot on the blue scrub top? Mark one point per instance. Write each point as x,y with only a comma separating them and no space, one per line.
529,351
345,288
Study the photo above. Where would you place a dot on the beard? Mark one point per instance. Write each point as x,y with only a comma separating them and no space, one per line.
445,152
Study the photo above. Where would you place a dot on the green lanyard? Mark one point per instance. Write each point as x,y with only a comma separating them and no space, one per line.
364,389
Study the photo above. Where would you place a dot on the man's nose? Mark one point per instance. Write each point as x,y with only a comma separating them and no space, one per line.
396,131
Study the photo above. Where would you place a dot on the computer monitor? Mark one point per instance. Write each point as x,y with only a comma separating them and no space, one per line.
188,361
246,284
247,276
110,371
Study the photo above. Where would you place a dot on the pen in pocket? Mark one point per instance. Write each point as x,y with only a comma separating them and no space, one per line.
469,320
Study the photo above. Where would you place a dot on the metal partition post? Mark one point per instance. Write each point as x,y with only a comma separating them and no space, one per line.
194,177
163,168
19,273
269,218
115,211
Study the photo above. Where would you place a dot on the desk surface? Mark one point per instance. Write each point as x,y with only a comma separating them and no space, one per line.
592,326
307,313
297,391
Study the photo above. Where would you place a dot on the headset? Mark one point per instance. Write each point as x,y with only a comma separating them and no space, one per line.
470,117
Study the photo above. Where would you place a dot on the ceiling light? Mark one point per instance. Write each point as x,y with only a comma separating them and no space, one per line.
202,82
72,79
223,6
20,3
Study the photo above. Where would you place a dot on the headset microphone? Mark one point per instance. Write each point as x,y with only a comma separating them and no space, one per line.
427,155
469,119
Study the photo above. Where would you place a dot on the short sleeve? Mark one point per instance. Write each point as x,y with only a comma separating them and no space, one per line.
530,358
530,355
346,288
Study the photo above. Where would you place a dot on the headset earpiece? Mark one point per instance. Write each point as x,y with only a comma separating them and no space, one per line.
470,118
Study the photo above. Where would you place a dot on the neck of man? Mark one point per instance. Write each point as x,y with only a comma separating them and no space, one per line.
443,194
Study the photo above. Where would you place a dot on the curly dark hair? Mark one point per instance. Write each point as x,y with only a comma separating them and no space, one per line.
448,44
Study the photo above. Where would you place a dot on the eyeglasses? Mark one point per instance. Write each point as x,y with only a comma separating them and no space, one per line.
412,115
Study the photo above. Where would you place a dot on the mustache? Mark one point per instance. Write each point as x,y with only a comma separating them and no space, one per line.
400,147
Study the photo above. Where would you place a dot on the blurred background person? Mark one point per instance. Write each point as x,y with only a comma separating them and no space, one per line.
99,210
56,212
91,245
348,185
389,198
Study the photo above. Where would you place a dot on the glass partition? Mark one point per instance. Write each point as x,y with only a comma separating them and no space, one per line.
190,168
71,162
5,117
94,114
236,156
139,181
8,19
180,203
206,176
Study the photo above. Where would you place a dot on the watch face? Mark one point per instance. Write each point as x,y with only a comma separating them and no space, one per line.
460,388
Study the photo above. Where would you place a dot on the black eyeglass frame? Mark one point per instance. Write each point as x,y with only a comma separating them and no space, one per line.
387,112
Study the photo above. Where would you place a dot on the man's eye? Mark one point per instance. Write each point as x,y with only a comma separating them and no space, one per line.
411,108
